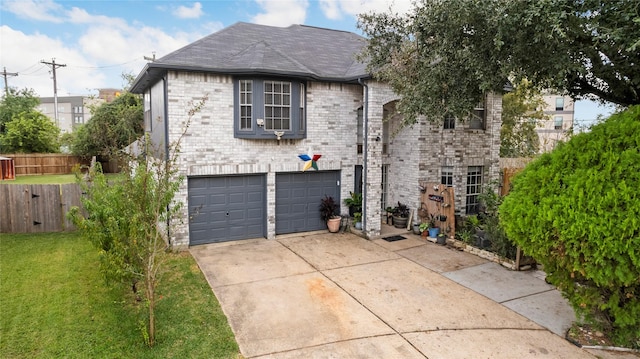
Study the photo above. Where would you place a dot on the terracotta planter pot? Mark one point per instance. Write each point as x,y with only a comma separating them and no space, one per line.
333,224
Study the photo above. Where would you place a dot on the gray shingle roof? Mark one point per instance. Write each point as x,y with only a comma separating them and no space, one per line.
243,48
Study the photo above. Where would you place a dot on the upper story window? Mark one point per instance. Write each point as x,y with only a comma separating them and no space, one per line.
478,116
277,106
559,103
246,100
449,122
269,109
557,122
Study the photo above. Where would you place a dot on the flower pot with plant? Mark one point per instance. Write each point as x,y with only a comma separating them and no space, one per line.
329,210
357,220
354,202
433,228
424,228
400,215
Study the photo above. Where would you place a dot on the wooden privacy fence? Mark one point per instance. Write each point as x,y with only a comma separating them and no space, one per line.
45,163
37,208
509,168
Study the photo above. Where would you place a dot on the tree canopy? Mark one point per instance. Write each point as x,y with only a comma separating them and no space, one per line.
16,102
112,127
444,55
30,132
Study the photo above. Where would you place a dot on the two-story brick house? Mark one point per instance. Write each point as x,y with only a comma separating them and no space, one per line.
276,93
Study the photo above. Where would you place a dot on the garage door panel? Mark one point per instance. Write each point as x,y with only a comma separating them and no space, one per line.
299,207
254,214
217,199
231,208
255,196
298,198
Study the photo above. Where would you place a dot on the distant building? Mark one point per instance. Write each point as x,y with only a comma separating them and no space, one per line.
560,110
108,95
74,111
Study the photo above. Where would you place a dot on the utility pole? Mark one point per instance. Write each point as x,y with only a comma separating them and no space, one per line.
6,84
54,66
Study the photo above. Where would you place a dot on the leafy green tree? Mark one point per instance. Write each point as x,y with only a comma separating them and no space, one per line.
443,56
576,210
522,110
30,132
112,127
16,102
127,220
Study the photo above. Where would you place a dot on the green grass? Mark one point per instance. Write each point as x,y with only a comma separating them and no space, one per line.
54,303
43,179
50,179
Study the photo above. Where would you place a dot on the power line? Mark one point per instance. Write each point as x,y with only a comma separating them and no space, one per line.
105,66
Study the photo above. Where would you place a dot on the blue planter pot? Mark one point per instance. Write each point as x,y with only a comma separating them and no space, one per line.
433,232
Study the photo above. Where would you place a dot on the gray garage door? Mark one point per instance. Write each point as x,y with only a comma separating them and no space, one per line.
226,208
298,198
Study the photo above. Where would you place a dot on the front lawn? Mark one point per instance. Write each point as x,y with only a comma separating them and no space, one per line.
55,304
42,179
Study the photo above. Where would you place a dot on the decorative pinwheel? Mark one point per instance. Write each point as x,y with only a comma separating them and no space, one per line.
310,162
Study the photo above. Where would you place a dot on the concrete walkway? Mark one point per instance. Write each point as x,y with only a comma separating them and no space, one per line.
323,295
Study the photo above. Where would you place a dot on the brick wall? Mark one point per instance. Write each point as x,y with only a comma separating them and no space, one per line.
415,153
209,148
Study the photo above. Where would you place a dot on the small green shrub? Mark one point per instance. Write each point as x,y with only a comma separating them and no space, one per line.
576,210
465,235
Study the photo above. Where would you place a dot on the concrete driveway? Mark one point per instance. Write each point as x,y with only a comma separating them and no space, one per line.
323,295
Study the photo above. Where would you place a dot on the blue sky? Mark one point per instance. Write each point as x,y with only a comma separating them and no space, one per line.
99,40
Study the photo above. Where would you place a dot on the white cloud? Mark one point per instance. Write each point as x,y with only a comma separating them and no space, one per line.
281,13
42,10
333,9
22,53
97,51
185,12
81,16
211,27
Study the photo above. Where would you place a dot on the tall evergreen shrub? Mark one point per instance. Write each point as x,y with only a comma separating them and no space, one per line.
576,210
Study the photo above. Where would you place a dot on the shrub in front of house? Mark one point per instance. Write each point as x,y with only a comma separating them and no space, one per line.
576,210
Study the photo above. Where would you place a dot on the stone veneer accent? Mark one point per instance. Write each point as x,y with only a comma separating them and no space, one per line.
415,154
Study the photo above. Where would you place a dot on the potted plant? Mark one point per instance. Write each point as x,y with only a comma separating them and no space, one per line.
416,228
424,228
357,220
433,228
441,239
354,202
400,215
329,210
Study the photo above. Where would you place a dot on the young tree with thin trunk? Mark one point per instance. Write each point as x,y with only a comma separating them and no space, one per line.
129,220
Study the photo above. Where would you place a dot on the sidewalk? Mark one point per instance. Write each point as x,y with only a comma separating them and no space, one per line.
322,295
